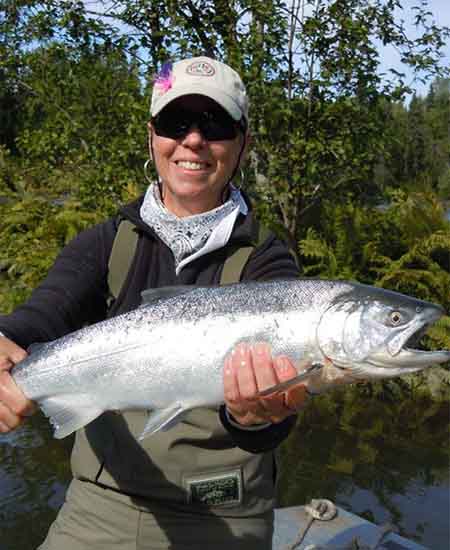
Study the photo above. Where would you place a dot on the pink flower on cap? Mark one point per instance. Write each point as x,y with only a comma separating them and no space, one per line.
164,79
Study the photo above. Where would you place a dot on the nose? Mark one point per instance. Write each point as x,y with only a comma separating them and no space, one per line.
193,138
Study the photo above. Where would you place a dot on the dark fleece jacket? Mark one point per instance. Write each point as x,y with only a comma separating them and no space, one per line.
75,291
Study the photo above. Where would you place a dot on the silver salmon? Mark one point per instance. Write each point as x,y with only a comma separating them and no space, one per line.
167,356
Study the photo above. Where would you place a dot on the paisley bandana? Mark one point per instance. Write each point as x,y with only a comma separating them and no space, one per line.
192,236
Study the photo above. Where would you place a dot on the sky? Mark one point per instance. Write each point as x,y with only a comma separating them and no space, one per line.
390,58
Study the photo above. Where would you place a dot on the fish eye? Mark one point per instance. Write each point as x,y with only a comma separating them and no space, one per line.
395,317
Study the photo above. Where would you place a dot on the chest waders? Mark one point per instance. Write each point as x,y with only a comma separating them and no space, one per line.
194,467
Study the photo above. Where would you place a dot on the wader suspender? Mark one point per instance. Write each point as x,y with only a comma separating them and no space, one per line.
124,247
195,474
122,253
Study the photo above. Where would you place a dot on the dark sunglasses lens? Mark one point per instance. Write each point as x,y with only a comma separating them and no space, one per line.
216,126
171,125
213,125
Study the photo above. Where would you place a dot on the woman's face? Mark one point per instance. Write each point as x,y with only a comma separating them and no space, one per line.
193,170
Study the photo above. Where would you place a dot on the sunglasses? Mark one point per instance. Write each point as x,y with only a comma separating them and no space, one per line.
214,125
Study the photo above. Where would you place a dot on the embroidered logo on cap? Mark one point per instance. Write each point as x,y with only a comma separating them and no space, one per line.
200,68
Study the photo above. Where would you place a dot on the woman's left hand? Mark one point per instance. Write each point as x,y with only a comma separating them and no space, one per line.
249,370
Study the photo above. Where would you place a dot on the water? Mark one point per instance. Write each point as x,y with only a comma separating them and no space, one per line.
383,454
33,477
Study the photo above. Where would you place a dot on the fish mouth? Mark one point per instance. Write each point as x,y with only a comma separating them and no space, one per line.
416,342
412,355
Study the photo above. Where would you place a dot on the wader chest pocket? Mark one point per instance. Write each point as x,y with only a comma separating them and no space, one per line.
222,489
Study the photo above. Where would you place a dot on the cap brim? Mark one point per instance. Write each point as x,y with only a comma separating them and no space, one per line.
213,93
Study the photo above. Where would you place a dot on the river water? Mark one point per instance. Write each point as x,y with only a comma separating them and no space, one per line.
381,454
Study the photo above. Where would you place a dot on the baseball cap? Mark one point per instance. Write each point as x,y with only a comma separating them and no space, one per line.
204,76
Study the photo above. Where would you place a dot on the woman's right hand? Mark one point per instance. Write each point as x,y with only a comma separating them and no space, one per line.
14,406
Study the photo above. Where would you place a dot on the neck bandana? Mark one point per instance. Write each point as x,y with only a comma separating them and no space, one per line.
192,236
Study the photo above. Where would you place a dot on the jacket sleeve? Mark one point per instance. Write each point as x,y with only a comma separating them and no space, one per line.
272,260
73,293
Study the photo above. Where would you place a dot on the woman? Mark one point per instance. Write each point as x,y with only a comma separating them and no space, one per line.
209,481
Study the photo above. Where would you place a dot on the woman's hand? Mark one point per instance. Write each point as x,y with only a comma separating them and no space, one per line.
14,406
250,370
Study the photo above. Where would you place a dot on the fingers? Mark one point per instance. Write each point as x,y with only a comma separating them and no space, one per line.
251,370
295,398
13,397
243,366
10,353
267,377
9,420
14,406
240,388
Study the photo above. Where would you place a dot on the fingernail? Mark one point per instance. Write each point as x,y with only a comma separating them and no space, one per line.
242,349
282,364
228,365
261,348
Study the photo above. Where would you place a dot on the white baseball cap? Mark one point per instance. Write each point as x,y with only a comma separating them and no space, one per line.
204,76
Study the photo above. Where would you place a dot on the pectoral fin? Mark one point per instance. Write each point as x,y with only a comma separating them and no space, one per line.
163,420
283,386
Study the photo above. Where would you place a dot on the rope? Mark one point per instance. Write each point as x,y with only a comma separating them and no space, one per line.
318,509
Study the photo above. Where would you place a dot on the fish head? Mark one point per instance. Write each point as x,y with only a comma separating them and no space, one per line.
369,329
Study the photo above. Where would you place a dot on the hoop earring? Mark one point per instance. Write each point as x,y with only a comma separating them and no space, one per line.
242,178
146,163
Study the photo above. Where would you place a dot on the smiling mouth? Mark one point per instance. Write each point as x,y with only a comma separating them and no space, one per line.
189,165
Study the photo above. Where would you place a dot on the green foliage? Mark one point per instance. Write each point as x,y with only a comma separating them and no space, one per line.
418,148
32,231
403,247
323,131
73,82
102,136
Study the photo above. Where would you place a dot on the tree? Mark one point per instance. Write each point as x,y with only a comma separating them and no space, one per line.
325,132
311,68
418,142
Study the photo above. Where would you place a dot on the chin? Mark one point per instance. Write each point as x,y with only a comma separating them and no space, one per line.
201,190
